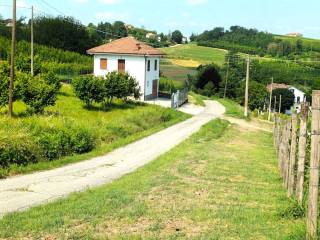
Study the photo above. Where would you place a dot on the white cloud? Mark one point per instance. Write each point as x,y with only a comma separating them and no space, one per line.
196,2
22,4
111,16
109,2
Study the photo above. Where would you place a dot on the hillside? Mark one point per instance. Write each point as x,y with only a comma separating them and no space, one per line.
66,64
308,43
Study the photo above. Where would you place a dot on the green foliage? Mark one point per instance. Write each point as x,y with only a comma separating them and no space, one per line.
177,36
92,89
119,29
207,80
292,211
287,98
36,92
89,89
4,83
167,85
258,95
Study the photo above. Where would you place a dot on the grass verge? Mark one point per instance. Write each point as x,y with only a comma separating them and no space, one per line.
31,143
222,183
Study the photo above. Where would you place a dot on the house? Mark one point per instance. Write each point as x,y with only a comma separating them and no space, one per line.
7,22
136,58
298,94
294,35
151,35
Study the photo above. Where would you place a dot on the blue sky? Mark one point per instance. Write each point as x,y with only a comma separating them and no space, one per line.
275,16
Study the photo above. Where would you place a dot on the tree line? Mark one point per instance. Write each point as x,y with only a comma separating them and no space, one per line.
69,34
256,42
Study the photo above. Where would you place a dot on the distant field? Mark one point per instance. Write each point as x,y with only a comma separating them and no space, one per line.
308,43
196,54
176,72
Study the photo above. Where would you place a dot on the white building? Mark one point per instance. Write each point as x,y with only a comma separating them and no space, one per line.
299,96
136,58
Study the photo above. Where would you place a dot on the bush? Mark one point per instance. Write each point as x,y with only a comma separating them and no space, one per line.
122,86
36,92
89,89
4,83
18,150
82,140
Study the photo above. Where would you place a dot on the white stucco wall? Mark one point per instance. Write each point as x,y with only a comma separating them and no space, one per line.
136,66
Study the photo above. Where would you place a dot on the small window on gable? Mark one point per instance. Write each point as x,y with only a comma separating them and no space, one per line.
149,65
156,65
103,63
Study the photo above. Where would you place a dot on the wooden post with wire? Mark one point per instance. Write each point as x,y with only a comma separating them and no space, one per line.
227,76
314,168
302,151
270,100
293,149
13,52
32,43
280,102
246,100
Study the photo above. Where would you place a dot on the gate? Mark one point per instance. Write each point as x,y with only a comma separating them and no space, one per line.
179,98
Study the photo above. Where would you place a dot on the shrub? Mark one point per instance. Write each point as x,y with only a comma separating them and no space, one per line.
4,83
52,79
122,86
82,140
89,89
36,92
17,150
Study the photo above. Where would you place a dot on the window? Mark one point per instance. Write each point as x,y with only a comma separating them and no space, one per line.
156,65
121,66
103,63
149,65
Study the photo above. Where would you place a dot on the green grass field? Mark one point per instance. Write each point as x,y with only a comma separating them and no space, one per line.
222,183
116,126
196,53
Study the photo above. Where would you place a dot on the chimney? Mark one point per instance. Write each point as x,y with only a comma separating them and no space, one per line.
138,46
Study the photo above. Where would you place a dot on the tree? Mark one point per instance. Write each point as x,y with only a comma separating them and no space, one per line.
207,80
177,36
287,98
119,30
257,95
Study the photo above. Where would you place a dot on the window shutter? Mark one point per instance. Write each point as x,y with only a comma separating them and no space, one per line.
103,64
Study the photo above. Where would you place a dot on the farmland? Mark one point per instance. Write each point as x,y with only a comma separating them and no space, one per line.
45,141
195,54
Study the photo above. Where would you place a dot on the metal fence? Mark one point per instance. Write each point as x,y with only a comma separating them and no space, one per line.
179,98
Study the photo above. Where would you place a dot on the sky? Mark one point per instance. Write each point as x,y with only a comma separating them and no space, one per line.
189,16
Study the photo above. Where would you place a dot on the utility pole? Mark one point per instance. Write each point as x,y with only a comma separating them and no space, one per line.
227,76
246,101
280,102
32,49
270,100
13,51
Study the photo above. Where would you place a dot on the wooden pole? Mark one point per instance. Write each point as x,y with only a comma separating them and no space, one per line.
280,102
270,99
293,150
13,51
287,154
227,76
314,168
302,152
246,100
275,104
32,42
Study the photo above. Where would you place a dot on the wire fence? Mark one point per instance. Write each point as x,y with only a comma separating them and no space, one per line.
298,151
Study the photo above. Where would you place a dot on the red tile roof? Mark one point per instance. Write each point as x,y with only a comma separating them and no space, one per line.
128,45
277,86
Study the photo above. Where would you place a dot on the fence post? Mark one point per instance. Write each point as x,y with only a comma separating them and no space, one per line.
293,150
314,168
287,154
302,151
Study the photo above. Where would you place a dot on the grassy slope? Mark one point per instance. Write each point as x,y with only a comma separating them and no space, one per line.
196,53
116,127
315,43
222,183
